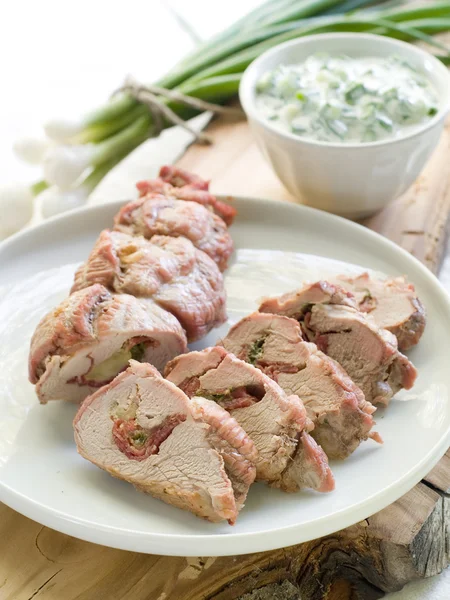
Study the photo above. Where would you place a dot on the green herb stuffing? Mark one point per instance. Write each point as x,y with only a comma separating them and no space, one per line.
214,397
256,350
108,369
307,307
138,438
138,351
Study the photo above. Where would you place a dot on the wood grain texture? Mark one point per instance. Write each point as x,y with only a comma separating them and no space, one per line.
439,477
418,221
399,544
408,540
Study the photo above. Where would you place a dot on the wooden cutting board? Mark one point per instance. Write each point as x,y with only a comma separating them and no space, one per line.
408,540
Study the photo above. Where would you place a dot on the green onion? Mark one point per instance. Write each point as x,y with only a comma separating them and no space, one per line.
212,72
217,51
232,52
38,187
102,130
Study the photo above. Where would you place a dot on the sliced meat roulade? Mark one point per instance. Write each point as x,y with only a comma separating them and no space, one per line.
274,344
156,214
89,338
171,271
178,183
392,303
368,353
295,304
278,425
189,453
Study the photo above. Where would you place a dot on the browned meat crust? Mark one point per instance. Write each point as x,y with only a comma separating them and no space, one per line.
177,183
171,271
155,214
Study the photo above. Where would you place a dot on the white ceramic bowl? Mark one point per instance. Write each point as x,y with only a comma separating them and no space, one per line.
353,180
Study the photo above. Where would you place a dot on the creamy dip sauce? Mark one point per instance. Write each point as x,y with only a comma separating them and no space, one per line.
343,99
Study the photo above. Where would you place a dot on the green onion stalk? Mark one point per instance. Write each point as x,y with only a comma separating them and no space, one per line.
77,154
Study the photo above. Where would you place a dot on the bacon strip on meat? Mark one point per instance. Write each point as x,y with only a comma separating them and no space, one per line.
169,270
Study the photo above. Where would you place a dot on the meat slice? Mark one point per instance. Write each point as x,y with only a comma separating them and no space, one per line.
368,353
296,304
171,271
189,453
177,183
90,337
342,417
288,457
392,303
155,214
181,178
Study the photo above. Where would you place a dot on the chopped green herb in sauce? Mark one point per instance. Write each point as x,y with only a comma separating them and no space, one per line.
343,99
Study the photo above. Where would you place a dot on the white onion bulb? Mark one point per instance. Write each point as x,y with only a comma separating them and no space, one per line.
31,150
54,201
63,165
62,130
16,208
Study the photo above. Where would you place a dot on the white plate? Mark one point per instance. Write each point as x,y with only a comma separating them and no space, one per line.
42,476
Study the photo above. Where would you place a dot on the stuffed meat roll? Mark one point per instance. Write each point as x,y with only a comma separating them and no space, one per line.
288,457
171,271
188,453
342,417
90,337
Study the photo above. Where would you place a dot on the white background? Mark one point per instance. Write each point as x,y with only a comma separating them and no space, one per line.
62,58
